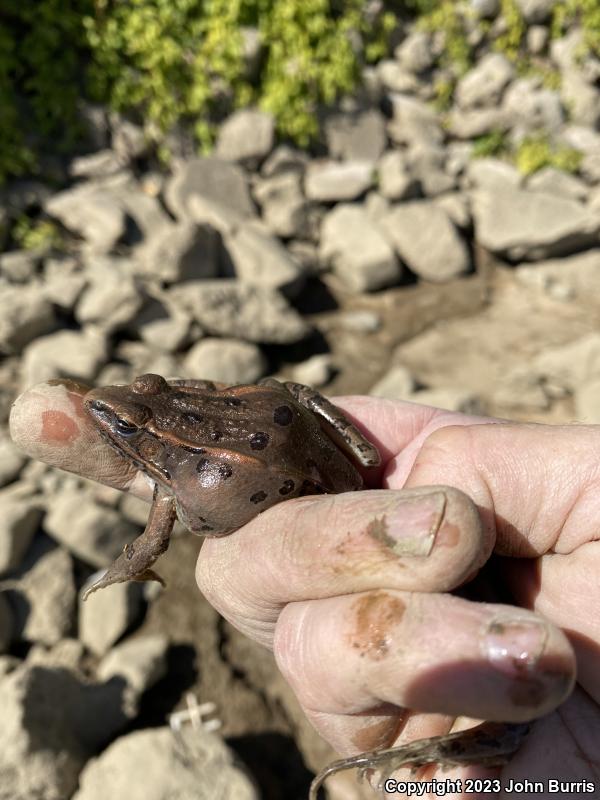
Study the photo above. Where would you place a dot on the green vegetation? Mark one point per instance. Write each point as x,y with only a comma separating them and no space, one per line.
537,152
490,144
30,234
587,14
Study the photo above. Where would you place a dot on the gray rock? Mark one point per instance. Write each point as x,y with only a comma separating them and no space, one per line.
259,259
246,136
415,53
587,403
210,190
284,159
490,173
565,50
140,202
532,108
581,138
414,122
581,98
477,122
397,383
232,308
106,615
226,360
330,181
537,39
179,251
65,354
567,278
20,266
24,314
20,515
284,209
12,460
6,624
484,84
531,225
141,661
63,281
48,589
395,78
356,249
92,212
128,139
521,387
162,328
147,765
359,321
456,206
315,371
111,297
486,9
427,165
357,136
559,183
572,365
426,240
536,11
395,179
376,206
458,157
590,168
42,751
96,165
96,534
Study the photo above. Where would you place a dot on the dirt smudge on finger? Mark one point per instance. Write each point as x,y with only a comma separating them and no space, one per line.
377,614
378,734
58,428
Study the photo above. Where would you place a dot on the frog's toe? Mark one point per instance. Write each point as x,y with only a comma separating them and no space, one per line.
150,575
119,572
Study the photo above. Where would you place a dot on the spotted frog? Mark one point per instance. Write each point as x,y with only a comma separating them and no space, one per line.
220,456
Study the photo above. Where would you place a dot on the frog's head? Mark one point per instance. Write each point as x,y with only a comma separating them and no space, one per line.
124,415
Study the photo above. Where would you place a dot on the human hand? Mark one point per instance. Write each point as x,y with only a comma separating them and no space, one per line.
355,610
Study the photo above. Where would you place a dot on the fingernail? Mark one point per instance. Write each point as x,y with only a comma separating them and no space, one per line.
410,528
514,646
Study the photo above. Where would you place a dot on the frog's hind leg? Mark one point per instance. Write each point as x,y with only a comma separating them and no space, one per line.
338,426
489,744
137,558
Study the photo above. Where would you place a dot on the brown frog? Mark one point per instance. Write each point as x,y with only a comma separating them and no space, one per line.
218,457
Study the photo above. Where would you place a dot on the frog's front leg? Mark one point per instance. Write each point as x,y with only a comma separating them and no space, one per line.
339,427
489,744
135,561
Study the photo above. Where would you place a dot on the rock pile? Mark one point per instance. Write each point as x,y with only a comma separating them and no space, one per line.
350,269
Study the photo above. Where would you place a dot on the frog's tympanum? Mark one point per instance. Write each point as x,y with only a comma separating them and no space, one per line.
218,457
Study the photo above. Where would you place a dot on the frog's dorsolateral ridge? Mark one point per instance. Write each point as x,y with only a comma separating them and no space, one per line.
218,457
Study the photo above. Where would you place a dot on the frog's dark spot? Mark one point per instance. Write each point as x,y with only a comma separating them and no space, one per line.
258,497
129,551
191,449
311,487
216,436
233,402
206,528
259,440
202,464
192,418
283,415
288,486
225,471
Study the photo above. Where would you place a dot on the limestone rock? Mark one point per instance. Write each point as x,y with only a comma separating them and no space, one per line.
147,765
260,259
20,515
232,308
396,384
210,190
395,179
70,354
24,315
96,534
330,181
531,225
484,84
357,250
356,136
107,614
246,136
225,360
90,211
284,207
426,240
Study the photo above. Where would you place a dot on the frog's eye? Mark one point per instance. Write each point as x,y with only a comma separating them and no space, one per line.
125,427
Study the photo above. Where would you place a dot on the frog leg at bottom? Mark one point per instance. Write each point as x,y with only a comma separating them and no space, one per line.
134,563
490,744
